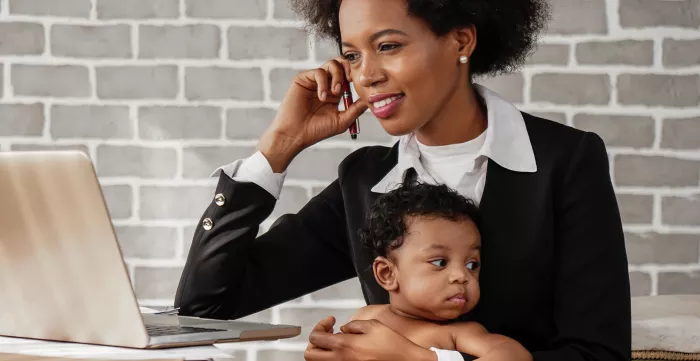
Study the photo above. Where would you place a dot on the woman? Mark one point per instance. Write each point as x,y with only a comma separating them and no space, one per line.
555,269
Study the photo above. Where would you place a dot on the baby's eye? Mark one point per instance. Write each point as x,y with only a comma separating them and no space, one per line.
473,266
439,262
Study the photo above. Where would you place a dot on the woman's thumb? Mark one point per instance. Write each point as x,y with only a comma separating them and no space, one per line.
347,116
357,326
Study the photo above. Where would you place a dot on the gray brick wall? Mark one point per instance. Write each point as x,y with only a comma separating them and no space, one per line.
160,92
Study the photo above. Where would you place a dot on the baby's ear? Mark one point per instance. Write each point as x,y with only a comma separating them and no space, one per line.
385,273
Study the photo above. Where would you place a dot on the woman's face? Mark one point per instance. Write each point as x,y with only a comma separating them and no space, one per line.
393,54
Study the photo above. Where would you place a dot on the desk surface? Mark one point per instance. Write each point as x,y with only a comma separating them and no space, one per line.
66,349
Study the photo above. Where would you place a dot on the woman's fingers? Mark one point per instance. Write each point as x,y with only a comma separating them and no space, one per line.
337,73
321,79
325,325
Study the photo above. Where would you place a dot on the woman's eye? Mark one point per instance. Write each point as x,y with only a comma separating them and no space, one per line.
350,56
473,266
387,47
439,262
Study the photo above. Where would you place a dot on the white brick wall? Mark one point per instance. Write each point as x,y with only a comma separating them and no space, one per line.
161,92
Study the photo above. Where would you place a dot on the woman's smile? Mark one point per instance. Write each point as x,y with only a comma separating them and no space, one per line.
385,108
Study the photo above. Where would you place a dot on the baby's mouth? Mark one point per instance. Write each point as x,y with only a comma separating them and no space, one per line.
459,299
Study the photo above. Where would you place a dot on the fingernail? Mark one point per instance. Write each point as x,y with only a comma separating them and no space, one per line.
337,89
323,95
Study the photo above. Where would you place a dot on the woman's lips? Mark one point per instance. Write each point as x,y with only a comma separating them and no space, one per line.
389,109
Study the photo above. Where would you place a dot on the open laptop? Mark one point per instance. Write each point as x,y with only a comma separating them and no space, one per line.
62,275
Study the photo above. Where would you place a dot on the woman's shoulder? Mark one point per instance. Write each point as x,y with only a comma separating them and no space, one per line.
369,160
554,143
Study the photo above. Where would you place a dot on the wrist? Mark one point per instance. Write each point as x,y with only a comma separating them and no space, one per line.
278,150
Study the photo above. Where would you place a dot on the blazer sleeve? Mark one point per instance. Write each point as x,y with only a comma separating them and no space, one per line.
231,272
592,310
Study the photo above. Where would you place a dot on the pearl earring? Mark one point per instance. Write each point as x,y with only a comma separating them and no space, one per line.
463,59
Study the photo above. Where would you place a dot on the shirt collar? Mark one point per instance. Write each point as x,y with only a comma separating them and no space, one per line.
507,143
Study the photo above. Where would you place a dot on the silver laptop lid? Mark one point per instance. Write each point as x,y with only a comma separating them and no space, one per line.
62,276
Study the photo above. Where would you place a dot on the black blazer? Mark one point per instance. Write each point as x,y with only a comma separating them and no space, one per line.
554,273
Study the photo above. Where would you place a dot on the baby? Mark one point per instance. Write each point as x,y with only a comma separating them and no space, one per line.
427,246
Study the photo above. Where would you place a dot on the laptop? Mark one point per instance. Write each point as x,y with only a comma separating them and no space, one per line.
62,275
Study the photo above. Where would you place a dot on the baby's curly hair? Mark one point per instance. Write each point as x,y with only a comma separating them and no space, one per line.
386,219
507,30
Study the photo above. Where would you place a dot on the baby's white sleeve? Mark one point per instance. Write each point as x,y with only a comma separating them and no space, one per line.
447,355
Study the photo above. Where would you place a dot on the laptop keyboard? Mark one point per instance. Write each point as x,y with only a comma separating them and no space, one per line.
158,330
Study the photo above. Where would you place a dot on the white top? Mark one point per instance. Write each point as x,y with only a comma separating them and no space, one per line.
460,166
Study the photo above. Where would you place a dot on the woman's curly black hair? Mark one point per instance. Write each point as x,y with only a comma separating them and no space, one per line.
386,220
507,30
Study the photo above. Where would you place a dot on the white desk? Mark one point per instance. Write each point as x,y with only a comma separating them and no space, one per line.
66,349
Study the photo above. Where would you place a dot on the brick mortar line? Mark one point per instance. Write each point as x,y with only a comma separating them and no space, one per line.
186,143
675,153
43,60
690,154
92,79
93,9
227,104
135,41
629,33
181,95
614,90
224,121
267,84
639,34
224,44
665,268
658,54
658,131
662,111
270,5
612,16
250,23
663,229
46,132
180,253
7,86
47,41
657,213
300,65
661,191
654,278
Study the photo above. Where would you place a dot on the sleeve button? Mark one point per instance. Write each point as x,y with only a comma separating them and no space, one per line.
207,224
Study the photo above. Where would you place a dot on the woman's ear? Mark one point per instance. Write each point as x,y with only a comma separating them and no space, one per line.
385,273
465,40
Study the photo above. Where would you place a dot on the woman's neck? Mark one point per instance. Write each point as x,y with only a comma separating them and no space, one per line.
461,119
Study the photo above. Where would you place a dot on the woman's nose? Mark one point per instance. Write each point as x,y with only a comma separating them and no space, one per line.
370,73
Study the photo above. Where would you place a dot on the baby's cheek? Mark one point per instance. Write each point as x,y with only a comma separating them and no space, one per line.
419,289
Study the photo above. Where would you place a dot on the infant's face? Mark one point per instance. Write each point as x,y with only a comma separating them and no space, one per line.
438,268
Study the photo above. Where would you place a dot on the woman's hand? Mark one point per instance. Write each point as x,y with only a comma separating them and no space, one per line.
309,113
362,340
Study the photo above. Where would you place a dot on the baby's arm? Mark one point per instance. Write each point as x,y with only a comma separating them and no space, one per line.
474,339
